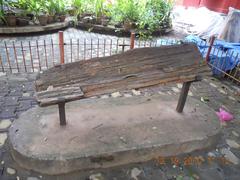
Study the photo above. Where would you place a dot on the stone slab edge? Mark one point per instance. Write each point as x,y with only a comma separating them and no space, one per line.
134,155
33,29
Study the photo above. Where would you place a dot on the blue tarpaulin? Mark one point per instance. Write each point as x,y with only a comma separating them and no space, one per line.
224,56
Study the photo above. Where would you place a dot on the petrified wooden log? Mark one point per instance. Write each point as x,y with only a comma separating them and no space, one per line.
137,68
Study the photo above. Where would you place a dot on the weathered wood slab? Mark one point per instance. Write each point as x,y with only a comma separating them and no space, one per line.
137,68
55,95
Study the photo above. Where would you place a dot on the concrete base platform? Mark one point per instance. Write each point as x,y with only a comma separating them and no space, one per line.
102,133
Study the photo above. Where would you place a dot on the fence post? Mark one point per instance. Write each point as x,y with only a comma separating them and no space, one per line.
132,40
61,46
212,38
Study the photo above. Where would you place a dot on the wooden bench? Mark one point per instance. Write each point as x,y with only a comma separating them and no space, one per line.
134,69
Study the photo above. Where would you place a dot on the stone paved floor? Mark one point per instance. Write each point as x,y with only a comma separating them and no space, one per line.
16,96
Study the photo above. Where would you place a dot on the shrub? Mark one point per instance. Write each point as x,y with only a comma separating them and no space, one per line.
155,15
125,10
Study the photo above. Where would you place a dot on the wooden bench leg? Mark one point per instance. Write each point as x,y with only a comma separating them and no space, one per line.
183,96
62,115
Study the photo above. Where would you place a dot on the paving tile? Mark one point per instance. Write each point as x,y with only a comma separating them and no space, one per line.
8,112
15,93
11,101
4,124
24,105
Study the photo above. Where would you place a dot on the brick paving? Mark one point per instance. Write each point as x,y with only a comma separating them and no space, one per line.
17,96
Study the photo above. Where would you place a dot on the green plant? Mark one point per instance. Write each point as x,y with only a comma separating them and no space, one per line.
147,16
37,7
78,7
60,7
125,10
88,6
51,7
2,18
155,15
99,7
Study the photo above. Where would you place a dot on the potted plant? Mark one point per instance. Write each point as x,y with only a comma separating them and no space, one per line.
77,8
125,12
23,19
38,8
2,17
51,10
11,18
155,17
130,14
105,21
60,10
21,11
106,17
99,10
71,11
8,13
43,19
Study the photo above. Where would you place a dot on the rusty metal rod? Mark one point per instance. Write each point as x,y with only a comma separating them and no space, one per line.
38,56
45,52
62,114
132,40
183,96
8,58
61,47
1,64
15,54
52,46
30,51
23,55
212,39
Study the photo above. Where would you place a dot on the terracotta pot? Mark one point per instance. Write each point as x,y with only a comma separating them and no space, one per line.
118,25
23,21
62,18
50,19
86,19
1,22
55,18
79,17
127,25
11,20
71,12
105,22
43,19
98,20
87,14
30,16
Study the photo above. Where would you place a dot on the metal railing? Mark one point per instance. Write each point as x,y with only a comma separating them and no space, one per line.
34,56
223,63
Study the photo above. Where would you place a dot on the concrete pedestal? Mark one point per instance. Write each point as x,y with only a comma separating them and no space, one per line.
102,133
